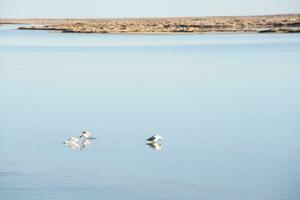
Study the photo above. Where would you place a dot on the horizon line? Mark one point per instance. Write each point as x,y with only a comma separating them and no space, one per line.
168,17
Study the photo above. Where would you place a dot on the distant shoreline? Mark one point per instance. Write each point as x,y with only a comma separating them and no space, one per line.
289,23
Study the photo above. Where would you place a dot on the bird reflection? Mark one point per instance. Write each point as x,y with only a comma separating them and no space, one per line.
155,146
85,143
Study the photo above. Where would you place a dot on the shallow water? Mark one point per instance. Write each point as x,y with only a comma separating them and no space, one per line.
227,106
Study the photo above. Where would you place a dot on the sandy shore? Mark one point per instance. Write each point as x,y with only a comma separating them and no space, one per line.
289,23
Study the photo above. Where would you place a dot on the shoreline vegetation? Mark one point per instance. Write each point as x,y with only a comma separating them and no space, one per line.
289,23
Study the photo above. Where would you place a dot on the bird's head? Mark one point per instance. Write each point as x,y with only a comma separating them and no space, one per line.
158,137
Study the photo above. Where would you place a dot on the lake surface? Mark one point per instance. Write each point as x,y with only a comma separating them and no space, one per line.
227,106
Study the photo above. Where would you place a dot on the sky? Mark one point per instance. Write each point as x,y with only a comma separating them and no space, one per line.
142,8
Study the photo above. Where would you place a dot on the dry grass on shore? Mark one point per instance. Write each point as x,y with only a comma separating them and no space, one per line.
267,23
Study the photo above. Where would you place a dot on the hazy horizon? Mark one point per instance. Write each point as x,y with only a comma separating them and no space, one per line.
143,9
145,16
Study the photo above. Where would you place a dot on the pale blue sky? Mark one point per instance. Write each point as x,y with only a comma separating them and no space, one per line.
142,8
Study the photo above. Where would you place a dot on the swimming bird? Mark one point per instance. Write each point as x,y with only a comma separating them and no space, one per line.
154,138
85,134
73,145
72,140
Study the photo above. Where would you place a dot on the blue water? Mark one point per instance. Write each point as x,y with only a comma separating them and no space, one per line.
227,106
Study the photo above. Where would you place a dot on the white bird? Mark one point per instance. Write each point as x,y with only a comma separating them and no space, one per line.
85,134
73,145
154,138
72,140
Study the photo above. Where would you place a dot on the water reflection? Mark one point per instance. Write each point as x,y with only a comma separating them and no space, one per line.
85,143
155,146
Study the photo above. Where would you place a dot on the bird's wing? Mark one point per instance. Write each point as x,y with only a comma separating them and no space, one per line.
151,138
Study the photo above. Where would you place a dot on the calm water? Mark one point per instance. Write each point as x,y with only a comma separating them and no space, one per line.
227,105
